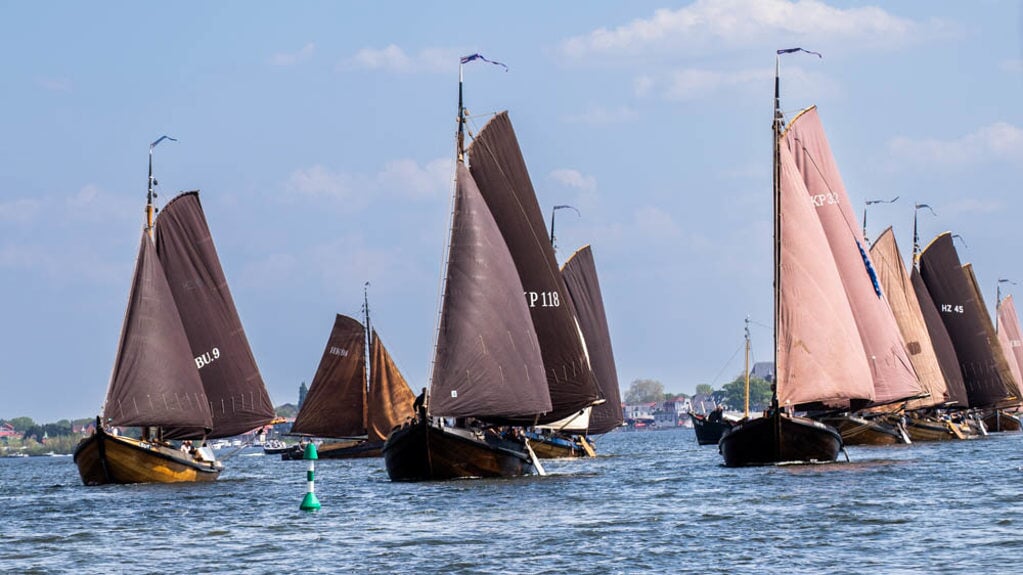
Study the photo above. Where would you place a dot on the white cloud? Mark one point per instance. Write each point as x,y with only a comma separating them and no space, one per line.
601,115
574,179
292,58
21,210
408,178
998,141
319,182
656,223
713,25
1012,65
394,59
398,179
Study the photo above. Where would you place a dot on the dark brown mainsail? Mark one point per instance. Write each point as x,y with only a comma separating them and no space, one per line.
986,379
499,170
487,363
580,273
1001,358
943,348
238,399
336,403
390,399
154,381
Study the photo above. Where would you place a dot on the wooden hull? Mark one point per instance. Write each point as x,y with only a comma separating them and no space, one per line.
857,430
708,432
338,450
559,446
1001,420
779,438
930,428
419,451
103,458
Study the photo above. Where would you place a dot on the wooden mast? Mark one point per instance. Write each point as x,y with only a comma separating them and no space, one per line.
746,371
150,208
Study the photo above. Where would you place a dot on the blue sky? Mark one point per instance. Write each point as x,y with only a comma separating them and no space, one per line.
321,136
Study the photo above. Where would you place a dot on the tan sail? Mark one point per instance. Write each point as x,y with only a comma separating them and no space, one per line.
390,399
1010,337
896,284
892,371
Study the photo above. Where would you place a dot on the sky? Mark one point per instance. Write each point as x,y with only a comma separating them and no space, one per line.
321,137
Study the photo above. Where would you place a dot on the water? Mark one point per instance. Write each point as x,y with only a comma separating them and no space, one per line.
653,502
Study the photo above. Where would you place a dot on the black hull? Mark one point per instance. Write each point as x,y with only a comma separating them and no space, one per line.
421,452
338,450
708,432
779,438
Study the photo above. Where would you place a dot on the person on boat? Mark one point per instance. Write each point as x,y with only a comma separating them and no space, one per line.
716,415
419,403
186,446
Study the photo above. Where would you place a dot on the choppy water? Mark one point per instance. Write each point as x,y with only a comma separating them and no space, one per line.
653,502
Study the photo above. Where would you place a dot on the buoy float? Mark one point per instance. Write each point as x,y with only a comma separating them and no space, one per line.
310,502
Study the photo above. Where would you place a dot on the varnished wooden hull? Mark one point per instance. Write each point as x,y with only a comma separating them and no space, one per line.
560,446
1001,420
930,428
355,449
779,438
419,451
857,430
103,458
708,432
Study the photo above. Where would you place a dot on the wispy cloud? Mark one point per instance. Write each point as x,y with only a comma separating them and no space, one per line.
397,179
574,179
393,58
292,58
601,115
713,25
319,182
22,210
656,223
999,141
1015,66
407,178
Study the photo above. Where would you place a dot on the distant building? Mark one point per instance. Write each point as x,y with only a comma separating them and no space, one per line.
764,370
7,430
639,415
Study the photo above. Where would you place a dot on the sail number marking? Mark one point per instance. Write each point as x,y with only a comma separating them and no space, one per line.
207,358
949,308
821,200
338,351
542,299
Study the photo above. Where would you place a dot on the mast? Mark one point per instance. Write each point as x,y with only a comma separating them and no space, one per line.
998,297
554,211
870,203
777,224
746,371
150,208
460,140
365,351
916,236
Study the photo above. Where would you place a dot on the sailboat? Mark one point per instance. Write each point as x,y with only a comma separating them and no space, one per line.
340,404
710,429
985,370
818,351
1011,340
508,353
184,369
918,418
570,438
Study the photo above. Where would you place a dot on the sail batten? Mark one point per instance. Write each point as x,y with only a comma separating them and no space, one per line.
499,170
219,347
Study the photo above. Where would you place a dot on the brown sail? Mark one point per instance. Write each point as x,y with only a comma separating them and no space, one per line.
895,282
1010,337
487,362
154,382
335,405
819,362
943,348
580,273
390,399
893,375
234,388
1001,358
500,172
986,379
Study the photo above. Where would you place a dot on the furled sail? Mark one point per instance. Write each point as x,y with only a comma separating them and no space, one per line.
1010,337
497,165
820,355
944,350
488,363
986,379
893,375
390,399
336,403
234,388
580,273
896,284
154,382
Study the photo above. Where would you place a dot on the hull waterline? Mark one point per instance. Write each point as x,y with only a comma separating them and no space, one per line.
779,438
104,459
419,451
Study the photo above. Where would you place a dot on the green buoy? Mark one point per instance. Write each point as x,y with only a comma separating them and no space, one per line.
310,502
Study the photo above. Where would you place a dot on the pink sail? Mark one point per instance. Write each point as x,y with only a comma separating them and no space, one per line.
820,357
893,376
898,287
1009,336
